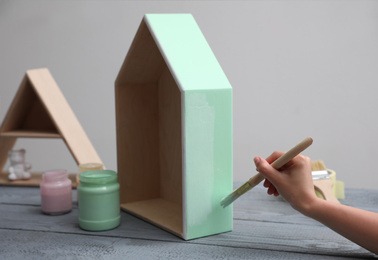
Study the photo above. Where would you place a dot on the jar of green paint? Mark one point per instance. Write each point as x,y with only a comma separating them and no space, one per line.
99,207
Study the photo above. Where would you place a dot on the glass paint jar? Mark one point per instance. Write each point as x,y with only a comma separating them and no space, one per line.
99,204
86,167
56,192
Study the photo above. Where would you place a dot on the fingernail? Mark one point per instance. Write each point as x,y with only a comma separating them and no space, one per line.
257,160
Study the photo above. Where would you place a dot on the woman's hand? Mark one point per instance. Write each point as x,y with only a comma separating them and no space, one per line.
293,181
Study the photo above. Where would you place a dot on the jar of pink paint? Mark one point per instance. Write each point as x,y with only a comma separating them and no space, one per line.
56,192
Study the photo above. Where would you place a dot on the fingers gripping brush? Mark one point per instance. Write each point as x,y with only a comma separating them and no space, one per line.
252,182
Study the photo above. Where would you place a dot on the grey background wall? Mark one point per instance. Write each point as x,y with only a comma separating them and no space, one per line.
298,68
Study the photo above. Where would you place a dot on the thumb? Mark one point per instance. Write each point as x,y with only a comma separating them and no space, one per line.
263,167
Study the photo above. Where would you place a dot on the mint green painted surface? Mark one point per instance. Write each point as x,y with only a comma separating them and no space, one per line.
207,122
208,156
99,205
186,52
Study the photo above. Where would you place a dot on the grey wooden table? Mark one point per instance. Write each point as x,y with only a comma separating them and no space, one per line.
265,227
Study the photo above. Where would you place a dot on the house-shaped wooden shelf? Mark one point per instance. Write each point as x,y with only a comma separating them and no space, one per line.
174,129
39,110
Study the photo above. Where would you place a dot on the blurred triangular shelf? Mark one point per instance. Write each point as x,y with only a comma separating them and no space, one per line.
39,110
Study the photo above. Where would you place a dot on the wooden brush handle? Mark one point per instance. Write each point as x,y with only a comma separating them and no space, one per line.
285,158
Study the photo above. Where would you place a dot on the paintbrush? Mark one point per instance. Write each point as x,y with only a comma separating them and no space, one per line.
252,182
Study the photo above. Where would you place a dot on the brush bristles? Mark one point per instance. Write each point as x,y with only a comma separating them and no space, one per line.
235,194
318,165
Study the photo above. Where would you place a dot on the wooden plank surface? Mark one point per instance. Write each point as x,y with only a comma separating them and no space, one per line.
31,134
264,227
34,180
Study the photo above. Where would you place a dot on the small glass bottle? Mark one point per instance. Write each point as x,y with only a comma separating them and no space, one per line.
56,192
18,169
99,204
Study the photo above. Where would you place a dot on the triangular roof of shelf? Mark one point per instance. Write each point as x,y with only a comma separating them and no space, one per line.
176,41
39,110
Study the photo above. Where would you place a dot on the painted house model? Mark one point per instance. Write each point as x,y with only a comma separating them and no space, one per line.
174,129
